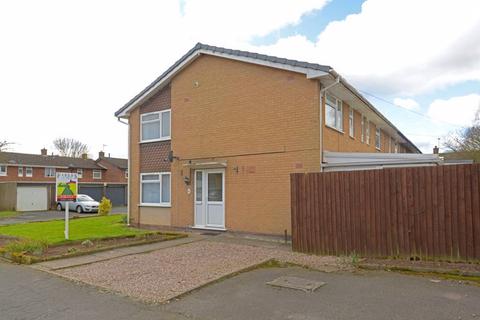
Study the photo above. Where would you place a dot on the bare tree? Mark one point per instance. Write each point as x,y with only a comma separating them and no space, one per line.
69,147
4,145
465,140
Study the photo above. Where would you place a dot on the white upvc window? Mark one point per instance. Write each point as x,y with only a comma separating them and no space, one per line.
390,146
3,170
126,173
378,139
28,172
20,171
367,131
50,172
155,126
80,173
396,147
362,134
97,174
334,112
351,123
155,189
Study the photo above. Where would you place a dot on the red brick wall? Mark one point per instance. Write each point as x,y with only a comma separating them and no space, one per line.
113,174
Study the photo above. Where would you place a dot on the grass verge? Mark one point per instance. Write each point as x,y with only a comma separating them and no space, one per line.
8,214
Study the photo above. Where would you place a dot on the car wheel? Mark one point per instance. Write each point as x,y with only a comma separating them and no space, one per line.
59,207
79,209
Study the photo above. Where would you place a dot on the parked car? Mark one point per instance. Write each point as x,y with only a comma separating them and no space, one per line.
84,203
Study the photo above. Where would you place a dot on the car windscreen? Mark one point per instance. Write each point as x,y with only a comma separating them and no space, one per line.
84,199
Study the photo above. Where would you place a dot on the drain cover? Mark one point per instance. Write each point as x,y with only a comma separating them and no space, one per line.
296,283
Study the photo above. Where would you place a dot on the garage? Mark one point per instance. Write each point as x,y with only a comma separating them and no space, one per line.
94,191
117,194
32,198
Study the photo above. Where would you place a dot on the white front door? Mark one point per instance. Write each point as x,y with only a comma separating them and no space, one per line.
210,198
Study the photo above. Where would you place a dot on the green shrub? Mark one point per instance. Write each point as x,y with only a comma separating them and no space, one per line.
28,246
105,207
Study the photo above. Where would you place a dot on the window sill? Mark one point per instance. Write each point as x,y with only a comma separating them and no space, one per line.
159,205
155,140
378,149
333,128
352,137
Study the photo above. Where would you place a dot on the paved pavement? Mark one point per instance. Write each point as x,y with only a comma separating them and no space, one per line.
370,295
27,294
34,216
114,253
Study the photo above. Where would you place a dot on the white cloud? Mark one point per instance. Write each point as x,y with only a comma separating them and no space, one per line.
66,66
408,103
399,47
457,110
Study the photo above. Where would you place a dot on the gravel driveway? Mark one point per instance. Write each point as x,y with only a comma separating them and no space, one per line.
164,274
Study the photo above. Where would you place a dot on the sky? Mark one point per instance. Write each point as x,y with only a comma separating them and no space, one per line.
67,66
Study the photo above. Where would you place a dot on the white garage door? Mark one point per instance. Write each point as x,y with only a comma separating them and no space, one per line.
31,198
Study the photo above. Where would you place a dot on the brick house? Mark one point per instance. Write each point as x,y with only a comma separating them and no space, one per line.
27,181
214,139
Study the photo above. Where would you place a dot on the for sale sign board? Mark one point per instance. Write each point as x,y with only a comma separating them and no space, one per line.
66,186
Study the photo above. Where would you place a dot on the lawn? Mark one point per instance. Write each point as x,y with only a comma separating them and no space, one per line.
8,214
80,229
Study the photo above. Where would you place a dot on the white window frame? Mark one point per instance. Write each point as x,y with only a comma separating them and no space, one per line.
126,173
362,135
49,170
80,173
160,177
28,172
20,171
3,170
160,117
396,147
338,106
97,177
351,123
378,138
367,132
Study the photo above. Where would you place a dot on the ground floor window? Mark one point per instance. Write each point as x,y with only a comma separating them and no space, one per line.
155,188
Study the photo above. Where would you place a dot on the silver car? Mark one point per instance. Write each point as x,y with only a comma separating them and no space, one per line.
84,203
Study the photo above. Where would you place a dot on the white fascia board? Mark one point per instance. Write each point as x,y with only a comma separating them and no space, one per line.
310,73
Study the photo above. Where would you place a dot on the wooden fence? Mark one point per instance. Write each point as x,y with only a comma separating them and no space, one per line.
421,212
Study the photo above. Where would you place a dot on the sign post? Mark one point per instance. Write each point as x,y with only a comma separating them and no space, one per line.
66,190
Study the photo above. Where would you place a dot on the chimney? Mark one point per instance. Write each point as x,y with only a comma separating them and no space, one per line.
435,150
101,154
84,156
43,152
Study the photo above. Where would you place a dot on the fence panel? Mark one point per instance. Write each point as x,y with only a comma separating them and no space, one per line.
421,212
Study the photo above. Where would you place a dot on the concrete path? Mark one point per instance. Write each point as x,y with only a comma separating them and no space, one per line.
35,216
27,294
114,253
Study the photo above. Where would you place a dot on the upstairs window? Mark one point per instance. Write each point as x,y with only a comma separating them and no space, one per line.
97,174
126,173
155,126
378,139
333,112
50,172
28,172
351,123
3,170
367,131
20,171
362,138
80,173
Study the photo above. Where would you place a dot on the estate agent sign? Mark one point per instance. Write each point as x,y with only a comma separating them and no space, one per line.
66,190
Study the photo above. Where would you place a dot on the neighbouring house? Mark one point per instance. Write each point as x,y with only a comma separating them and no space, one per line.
27,181
214,139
